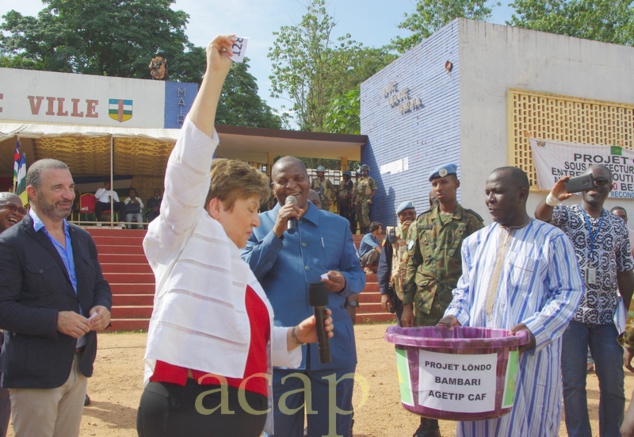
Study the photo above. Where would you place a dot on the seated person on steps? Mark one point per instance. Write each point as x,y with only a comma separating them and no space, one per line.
370,248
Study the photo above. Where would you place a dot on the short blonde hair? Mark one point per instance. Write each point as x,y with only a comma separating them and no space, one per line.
232,179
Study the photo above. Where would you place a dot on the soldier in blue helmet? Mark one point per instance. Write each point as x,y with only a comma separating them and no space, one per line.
434,262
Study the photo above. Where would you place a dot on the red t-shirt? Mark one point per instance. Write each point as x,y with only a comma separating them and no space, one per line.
256,367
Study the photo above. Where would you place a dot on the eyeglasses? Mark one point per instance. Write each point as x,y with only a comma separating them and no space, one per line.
13,208
601,182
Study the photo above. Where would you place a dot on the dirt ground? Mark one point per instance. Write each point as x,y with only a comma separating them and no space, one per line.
116,387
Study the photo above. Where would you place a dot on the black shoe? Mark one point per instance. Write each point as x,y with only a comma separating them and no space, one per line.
86,401
427,428
427,433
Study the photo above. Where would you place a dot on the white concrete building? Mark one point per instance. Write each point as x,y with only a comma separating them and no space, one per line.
474,93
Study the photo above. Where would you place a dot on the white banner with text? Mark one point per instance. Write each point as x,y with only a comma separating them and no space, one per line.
457,383
554,160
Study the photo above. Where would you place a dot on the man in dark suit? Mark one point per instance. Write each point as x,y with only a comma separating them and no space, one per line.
53,299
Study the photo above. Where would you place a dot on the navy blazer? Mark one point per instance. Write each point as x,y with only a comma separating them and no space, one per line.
34,287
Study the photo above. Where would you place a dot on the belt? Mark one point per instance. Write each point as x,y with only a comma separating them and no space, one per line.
80,350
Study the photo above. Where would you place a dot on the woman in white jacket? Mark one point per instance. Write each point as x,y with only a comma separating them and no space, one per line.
211,342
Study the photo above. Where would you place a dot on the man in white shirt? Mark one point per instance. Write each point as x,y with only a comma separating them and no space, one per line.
103,196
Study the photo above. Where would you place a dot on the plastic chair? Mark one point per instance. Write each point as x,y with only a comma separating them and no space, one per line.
74,212
87,205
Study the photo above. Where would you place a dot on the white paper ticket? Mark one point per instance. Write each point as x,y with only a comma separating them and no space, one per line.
239,48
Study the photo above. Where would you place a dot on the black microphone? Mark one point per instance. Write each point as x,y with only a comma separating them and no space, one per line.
291,224
318,299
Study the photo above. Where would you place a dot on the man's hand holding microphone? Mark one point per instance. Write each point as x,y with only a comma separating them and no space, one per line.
287,217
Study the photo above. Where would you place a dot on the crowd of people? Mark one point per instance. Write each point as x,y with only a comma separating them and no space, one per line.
234,347
560,276
131,212
352,200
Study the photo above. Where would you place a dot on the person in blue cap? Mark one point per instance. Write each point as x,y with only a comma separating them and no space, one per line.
393,261
434,262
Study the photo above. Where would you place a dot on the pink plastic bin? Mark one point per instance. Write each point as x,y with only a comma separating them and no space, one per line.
466,373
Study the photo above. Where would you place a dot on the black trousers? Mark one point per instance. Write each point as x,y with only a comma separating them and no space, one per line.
102,206
397,305
170,410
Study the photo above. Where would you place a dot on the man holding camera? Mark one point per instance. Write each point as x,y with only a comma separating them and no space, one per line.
602,247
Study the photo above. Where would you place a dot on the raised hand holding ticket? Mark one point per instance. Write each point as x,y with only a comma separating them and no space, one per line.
239,48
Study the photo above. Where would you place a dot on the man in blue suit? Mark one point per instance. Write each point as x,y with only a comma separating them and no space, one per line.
285,263
53,299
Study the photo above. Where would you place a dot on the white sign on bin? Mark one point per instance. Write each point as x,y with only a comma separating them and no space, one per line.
456,382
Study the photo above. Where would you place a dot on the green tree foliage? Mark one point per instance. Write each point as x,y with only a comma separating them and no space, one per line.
343,114
343,110
601,20
19,62
118,38
186,66
311,69
102,37
240,104
431,15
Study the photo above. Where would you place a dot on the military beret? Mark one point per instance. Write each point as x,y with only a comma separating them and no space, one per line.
443,170
403,206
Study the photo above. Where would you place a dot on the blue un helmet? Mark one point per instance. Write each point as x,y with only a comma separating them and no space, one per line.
442,171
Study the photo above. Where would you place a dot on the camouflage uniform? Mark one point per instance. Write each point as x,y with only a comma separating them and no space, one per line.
353,208
434,264
325,190
345,198
364,189
399,259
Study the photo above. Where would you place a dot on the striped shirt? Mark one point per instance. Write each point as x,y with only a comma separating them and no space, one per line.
540,285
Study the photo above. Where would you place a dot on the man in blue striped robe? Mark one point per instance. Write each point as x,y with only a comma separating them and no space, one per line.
519,274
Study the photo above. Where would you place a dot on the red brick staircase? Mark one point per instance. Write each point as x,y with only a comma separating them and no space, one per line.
132,282
131,279
370,310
